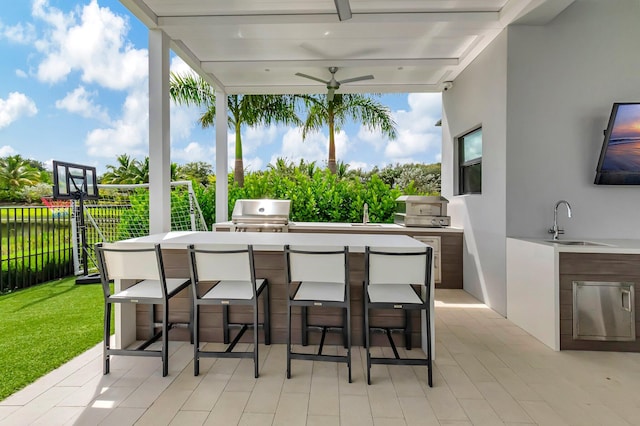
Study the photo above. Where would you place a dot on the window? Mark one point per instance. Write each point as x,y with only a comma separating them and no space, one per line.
470,162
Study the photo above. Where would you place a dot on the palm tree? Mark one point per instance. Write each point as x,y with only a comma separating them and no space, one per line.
125,172
250,110
16,172
334,113
131,171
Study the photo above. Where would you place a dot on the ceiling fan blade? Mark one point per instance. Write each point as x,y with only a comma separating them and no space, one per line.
362,77
299,74
344,9
330,94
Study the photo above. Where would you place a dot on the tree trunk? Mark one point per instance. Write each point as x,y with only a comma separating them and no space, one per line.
332,143
238,169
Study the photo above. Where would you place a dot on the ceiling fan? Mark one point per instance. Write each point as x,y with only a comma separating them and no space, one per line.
333,84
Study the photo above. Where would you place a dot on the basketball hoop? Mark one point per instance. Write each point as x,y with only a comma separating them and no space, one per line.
58,208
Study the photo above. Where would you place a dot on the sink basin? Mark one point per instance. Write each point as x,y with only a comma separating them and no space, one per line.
576,243
366,224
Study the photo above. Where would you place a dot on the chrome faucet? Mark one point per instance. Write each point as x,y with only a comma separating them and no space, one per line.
555,230
365,213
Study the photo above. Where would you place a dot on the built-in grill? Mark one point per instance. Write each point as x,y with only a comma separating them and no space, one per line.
422,210
262,215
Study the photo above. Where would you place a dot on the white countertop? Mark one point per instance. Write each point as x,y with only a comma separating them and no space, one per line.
624,246
369,227
275,241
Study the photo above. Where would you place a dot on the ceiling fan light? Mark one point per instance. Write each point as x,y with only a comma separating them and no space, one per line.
344,9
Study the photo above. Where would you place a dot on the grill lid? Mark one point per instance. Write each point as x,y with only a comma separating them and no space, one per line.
261,211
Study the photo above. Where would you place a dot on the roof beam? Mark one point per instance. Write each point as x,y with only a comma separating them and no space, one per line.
291,89
326,18
142,12
347,63
192,60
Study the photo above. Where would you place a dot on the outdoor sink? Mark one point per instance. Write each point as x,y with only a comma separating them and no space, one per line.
366,224
576,243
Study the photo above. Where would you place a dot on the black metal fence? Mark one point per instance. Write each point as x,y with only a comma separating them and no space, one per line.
36,245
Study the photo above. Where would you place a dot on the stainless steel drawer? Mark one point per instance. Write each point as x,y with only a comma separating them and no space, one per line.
603,311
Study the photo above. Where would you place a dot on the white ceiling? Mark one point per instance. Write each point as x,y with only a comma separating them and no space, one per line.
257,46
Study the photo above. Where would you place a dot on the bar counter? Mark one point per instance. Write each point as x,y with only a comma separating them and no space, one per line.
132,324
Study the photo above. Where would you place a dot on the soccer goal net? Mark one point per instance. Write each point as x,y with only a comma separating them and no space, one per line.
122,212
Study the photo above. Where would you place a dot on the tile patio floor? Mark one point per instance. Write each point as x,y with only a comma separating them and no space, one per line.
487,372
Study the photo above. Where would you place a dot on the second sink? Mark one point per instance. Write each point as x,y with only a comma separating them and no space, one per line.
576,243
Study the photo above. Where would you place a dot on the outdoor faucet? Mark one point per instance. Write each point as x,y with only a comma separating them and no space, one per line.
365,213
555,230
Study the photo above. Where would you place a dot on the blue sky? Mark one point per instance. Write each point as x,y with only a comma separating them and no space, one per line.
74,88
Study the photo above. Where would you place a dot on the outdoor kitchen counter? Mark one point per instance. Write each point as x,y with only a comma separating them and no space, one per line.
132,321
350,227
538,268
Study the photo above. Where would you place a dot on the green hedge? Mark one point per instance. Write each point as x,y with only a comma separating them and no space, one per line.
316,195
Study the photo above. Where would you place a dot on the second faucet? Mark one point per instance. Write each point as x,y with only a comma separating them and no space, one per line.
555,230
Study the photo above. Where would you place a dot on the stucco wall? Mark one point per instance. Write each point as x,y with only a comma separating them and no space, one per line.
478,97
543,95
562,81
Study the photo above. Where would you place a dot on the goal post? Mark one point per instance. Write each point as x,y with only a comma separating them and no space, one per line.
122,212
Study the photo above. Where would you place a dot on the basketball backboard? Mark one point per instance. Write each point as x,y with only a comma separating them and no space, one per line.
73,181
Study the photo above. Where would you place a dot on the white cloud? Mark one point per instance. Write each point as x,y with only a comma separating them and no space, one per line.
193,152
81,102
355,165
21,34
6,151
255,137
128,135
20,73
253,164
417,134
314,148
92,41
17,105
179,66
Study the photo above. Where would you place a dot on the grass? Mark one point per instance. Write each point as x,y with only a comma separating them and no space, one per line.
43,327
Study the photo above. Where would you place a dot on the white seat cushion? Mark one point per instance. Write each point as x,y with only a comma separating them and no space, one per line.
329,292
392,293
149,289
226,290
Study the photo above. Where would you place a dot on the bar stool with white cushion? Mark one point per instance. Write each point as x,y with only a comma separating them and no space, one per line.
390,277
143,264
321,277
231,270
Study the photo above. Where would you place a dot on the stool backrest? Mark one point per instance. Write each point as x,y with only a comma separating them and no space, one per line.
398,266
217,262
139,262
320,264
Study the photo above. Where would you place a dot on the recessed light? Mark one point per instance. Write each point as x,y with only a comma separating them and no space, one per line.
326,33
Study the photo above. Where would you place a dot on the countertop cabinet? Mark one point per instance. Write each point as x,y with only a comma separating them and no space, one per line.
433,241
540,282
602,267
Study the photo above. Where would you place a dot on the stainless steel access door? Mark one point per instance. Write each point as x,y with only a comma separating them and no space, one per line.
603,311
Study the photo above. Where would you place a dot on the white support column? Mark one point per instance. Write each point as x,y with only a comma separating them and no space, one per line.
222,166
159,134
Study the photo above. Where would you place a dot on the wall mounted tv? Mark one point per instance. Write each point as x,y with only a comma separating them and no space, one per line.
620,156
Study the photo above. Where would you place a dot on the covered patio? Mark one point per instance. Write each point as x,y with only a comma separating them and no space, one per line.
488,372
273,47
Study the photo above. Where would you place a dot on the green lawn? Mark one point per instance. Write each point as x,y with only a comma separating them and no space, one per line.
43,327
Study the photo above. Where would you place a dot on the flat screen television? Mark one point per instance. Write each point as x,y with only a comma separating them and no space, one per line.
619,162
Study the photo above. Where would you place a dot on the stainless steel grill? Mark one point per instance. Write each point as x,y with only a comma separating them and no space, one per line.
262,215
424,211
